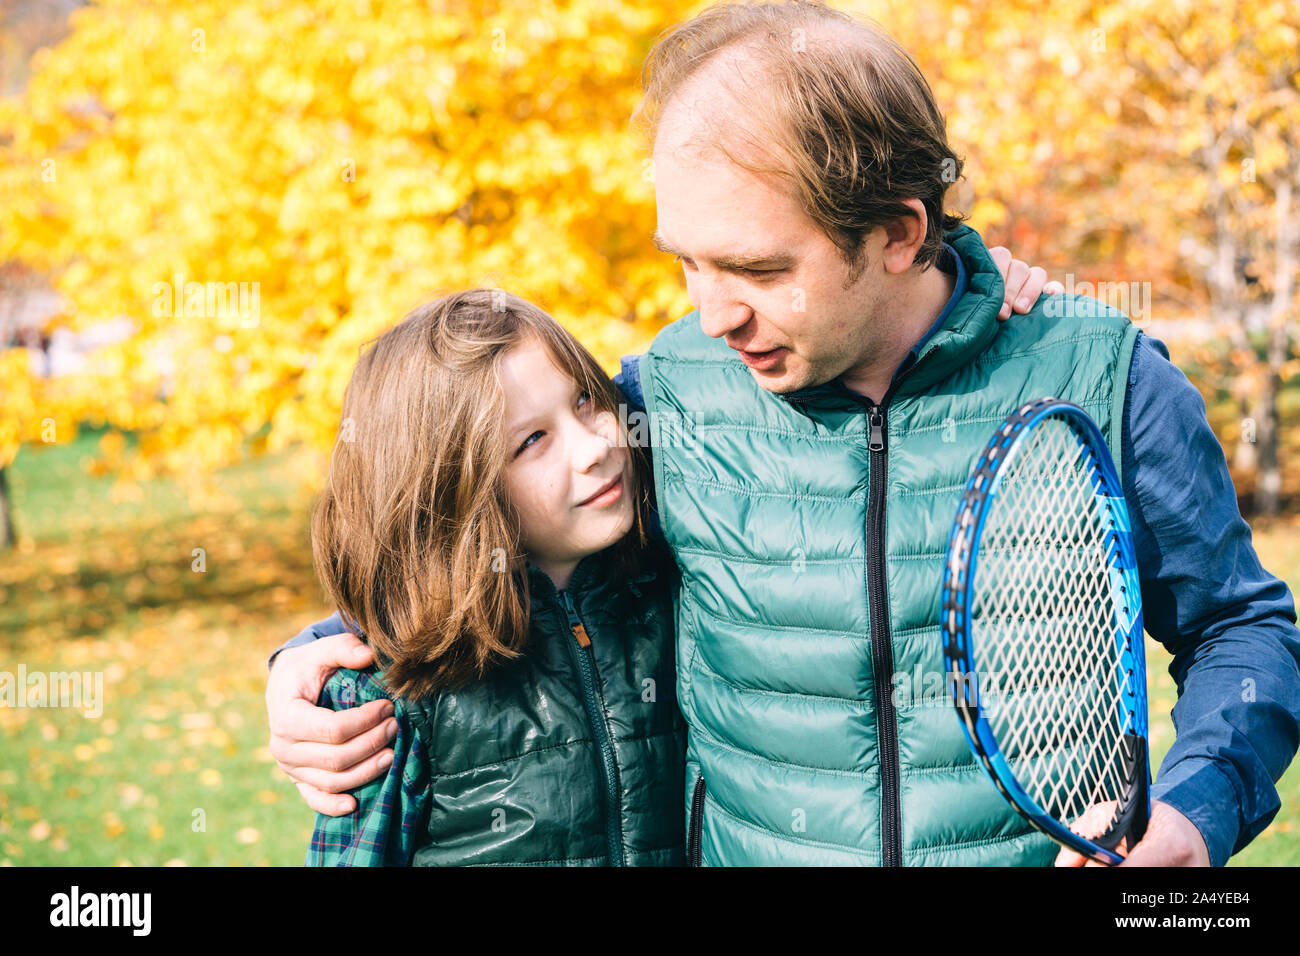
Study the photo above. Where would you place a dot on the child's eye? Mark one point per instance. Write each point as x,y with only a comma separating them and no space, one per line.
686,263
584,398
528,442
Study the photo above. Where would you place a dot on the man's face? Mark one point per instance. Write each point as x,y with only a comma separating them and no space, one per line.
763,276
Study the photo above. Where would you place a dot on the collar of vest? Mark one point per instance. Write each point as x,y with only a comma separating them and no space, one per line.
597,577
967,332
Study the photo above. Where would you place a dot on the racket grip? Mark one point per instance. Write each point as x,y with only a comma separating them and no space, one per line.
1140,774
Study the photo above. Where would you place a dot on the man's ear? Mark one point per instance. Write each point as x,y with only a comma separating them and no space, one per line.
904,237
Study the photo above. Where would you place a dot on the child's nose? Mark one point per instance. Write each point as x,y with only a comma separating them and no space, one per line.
594,443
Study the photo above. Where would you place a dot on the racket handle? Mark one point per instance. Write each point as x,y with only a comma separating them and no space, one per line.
1139,812
1142,805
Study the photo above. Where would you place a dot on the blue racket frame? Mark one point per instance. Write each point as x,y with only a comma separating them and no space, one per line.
957,596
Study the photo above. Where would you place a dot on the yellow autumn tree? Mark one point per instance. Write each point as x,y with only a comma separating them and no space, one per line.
1150,145
261,187
1211,97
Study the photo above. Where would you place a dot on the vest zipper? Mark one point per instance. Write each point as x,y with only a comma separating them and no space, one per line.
882,650
882,644
695,828
591,699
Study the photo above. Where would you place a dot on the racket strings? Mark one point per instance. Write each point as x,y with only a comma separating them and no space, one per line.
1043,628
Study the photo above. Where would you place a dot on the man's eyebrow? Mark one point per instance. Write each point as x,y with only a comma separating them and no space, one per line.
772,260
663,245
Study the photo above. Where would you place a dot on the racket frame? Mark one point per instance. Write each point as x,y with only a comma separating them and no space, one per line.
957,596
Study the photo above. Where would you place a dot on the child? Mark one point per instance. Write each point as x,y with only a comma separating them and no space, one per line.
484,530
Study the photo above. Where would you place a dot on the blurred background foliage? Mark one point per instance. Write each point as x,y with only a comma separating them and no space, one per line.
209,205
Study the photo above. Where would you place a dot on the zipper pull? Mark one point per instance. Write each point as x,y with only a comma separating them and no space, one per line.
579,632
877,440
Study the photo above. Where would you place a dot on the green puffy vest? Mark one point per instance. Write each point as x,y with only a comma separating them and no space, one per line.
573,754
809,530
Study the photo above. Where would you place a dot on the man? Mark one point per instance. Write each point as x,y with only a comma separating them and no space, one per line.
842,368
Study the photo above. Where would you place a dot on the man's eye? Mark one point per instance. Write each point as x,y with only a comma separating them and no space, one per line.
762,273
685,262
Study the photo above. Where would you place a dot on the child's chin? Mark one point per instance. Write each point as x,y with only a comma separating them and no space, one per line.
616,529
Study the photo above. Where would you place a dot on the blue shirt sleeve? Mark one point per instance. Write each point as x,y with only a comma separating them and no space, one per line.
1229,624
629,382
331,625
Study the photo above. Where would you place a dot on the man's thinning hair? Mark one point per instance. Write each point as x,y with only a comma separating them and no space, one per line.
827,100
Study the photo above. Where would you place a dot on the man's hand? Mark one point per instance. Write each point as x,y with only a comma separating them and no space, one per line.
326,752
1022,284
1171,840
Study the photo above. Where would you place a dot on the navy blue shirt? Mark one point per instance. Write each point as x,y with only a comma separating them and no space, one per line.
1229,624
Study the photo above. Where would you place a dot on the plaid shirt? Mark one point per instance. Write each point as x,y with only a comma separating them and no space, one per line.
391,817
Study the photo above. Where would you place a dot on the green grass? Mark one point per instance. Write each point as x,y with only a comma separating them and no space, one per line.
176,769
103,583
1279,845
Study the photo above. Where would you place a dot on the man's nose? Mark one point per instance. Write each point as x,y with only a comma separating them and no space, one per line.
721,311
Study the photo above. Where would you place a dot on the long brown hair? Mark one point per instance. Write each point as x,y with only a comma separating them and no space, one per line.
414,537
837,108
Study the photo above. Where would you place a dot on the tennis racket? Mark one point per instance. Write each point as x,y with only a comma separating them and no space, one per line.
1042,629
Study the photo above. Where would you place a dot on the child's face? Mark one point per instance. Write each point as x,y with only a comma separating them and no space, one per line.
567,474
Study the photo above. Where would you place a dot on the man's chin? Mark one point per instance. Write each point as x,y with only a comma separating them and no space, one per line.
781,380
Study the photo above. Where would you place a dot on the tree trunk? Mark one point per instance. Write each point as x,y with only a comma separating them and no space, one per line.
7,537
1268,474
1268,488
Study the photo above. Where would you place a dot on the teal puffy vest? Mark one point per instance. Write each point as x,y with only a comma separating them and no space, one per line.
571,755
809,530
